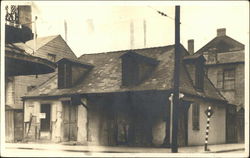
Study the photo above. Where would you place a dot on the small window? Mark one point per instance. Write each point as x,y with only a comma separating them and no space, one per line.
196,116
52,57
30,88
212,57
229,79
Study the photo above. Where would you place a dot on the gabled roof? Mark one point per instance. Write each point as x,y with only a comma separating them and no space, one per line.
50,45
106,76
41,41
231,44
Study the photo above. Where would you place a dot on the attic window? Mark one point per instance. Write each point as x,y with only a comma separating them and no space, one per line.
71,72
52,57
136,68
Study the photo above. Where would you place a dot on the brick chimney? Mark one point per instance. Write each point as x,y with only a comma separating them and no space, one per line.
221,32
191,46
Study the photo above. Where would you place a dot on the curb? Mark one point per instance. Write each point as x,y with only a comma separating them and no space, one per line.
229,150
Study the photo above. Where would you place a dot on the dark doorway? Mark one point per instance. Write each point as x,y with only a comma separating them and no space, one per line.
45,123
69,121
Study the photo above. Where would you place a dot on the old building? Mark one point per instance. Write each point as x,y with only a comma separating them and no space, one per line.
21,44
123,98
225,68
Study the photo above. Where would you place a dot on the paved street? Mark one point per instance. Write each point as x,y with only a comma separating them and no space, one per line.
42,150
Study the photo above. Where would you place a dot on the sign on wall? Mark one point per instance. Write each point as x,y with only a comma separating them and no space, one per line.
42,115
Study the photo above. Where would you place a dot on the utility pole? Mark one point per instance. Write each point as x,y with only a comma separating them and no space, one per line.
174,145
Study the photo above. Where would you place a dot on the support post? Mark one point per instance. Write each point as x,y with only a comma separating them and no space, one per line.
174,145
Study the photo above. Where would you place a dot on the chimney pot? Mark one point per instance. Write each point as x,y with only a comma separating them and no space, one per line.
221,32
191,46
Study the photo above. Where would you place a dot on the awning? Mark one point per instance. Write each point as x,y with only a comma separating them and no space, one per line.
18,62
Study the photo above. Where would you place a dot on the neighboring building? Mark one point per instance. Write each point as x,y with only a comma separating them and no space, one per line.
52,48
225,68
25,76
18,62
122,98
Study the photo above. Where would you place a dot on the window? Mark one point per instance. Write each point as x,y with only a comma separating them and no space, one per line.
29,88
64,75
52,57
226,79
212,57
136,68
196,116
229,79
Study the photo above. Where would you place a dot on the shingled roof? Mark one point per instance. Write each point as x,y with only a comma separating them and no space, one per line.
106,76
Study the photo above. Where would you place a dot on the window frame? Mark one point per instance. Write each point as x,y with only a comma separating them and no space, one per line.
222,78
52,57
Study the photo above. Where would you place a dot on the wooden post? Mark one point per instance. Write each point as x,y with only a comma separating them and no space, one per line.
174,145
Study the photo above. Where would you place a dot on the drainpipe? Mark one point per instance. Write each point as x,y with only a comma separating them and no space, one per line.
23,117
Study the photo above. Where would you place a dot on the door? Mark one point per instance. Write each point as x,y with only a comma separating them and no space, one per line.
69,121
45,122
231,126
18,125
183,123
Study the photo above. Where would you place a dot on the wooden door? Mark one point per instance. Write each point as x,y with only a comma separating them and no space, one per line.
231,126
69,121
18,125
45,123
183,124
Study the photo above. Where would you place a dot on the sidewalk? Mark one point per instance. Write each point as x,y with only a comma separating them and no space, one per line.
108,149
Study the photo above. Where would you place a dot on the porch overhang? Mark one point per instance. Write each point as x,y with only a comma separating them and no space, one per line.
19,63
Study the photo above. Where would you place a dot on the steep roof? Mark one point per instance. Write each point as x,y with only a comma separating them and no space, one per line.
50,44
106,75
41,41
228,50
218,41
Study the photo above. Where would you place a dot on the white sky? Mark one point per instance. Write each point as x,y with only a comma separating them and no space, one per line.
105,26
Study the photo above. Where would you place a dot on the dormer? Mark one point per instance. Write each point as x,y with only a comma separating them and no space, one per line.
136,68
70,72
195,66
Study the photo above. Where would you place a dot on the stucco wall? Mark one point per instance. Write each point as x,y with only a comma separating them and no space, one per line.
217,133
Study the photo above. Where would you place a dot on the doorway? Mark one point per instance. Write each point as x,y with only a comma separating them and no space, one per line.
45,122
69,121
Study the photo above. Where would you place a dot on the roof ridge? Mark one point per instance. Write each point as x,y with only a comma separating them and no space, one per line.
126,50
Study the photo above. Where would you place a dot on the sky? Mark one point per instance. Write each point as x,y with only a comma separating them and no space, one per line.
94,27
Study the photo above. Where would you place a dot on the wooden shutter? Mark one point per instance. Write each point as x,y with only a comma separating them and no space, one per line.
60,80
196,116
220,79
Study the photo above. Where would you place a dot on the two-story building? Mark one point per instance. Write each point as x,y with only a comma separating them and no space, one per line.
225,68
